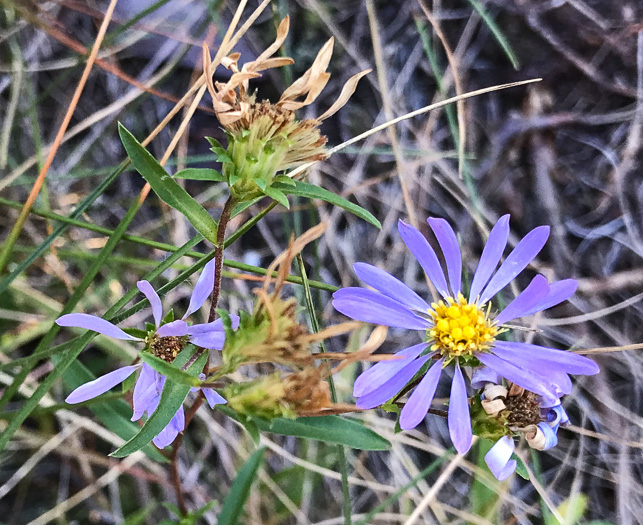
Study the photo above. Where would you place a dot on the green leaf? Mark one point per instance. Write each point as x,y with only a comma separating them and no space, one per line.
240,490
277,195
200,174
573,508
331,429
218,150
284,179
485,494
303,189
172,398
521,469
139,516
166,187
169,370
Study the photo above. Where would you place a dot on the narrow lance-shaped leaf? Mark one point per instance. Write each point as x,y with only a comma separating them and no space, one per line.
240,490
169,370
205,174
172,398
166,187
303,189
331,429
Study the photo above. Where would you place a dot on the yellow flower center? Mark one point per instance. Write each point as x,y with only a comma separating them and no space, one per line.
460,328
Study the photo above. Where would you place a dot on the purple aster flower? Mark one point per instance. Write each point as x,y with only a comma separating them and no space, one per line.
460,331
165,341
521,412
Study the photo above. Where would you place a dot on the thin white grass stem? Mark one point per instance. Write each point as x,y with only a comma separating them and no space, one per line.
596,314
603,437
412,114
609,349
541,491
435,488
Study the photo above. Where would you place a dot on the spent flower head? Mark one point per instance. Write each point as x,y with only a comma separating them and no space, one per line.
459,331
265,138
512,411
165,341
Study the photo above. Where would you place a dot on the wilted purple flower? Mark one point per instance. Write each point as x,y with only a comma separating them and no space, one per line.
522,412
165,341
459,331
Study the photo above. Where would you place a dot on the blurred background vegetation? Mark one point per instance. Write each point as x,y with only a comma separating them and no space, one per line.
565,151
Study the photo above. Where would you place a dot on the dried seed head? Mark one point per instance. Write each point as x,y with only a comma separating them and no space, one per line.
265,138
280,396
523,409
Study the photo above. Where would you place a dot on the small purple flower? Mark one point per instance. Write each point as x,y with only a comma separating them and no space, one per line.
165,341
459,331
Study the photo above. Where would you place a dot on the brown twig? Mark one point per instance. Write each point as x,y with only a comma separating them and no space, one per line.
176,478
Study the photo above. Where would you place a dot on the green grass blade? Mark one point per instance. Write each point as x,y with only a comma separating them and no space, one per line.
72,353
497,33
240,490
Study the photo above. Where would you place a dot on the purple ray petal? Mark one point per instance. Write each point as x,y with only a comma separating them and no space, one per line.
166,436
516,261
555,416
202,289
390,286
524,378
144,391
101,384
491,255
568,361
214,326
535,292
558,292
373,307
420,401
422,251
175,328
549,372
95,324
209,340
383,371
451,251
213,397
155,301
459,418
561,381
483,375
498,459
393,386
551,439
153,397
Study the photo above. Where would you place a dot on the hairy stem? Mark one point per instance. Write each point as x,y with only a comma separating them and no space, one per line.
218,257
